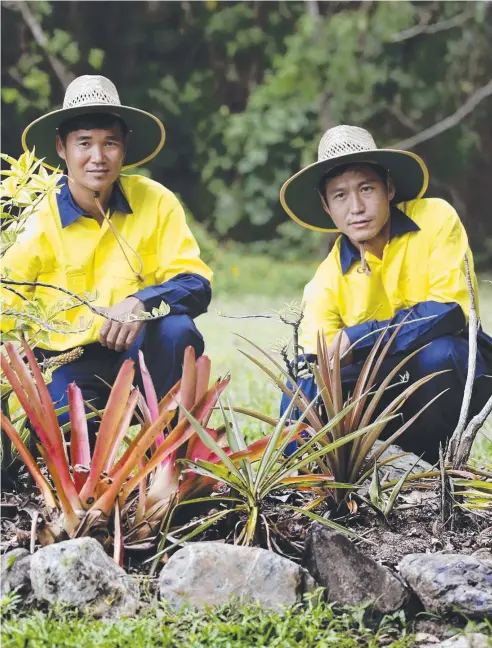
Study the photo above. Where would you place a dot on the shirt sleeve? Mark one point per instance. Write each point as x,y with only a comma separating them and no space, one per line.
183,279
424,322
186,294
321,312
447,305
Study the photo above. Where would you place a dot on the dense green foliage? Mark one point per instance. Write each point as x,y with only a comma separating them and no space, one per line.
246,88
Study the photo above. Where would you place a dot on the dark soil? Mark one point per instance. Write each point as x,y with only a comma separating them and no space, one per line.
419,530
414,527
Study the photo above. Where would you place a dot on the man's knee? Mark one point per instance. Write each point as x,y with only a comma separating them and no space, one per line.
179,331
446,352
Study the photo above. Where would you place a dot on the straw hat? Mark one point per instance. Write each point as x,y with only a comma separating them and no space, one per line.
96,94
339,146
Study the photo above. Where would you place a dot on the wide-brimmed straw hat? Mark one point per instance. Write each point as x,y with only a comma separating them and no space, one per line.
343,145
96,94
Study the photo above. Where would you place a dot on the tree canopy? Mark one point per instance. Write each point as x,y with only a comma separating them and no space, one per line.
245,90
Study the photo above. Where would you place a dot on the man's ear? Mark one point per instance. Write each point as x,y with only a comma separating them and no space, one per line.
60,149
391,188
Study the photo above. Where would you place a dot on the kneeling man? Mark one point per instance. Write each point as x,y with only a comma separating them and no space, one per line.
122,238
399,256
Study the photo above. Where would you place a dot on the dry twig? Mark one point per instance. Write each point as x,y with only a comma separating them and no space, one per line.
450,121
455,452
433,28
63,74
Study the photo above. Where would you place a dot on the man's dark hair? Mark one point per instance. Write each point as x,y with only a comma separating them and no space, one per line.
352,166
90,121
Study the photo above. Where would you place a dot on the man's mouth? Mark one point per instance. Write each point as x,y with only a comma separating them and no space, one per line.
98,171
360,224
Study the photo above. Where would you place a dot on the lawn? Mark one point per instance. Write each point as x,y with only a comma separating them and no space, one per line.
232,626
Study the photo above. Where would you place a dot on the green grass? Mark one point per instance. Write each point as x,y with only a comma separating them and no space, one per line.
231,626
312,625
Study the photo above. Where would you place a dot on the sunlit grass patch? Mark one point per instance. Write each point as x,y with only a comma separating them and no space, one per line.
230,626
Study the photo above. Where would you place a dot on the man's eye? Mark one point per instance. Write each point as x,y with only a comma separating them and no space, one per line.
111,144
338,196
367,188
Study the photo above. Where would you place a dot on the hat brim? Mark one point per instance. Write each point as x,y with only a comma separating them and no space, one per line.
147,133
300,198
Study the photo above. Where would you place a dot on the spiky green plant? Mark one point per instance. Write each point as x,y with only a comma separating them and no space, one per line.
351,462
252,477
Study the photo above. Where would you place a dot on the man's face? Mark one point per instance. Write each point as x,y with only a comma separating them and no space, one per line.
94,157
358,202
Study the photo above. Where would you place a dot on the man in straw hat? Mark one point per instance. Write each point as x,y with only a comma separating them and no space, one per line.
122,238
399,257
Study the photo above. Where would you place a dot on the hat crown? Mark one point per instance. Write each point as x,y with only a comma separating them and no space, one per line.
343,140
91,89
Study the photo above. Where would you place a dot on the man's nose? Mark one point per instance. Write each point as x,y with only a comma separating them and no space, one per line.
356,203
97,154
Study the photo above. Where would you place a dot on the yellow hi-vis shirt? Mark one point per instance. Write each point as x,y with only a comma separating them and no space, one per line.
422,262
83,256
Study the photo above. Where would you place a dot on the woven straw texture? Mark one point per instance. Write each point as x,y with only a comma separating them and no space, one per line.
343,140
91,89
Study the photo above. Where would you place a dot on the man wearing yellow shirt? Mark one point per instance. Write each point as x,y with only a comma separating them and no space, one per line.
121,238
399,256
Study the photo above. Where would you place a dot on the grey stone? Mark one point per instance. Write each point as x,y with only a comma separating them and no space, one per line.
398,467
472,640
351,577
446,583
484,555
206,574
15,572
77,573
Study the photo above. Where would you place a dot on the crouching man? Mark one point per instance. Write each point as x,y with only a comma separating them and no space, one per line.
121,238
399,256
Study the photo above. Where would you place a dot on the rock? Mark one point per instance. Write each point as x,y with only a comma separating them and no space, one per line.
446,583
484,555
15,572
472,640
398,467
77,573
211,573
351,577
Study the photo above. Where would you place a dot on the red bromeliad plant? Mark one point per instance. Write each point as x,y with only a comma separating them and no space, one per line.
85,490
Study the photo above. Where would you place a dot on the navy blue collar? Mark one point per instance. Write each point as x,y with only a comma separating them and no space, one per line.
69,210
400,224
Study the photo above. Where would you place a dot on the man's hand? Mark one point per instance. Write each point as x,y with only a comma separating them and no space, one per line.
119,336
344,347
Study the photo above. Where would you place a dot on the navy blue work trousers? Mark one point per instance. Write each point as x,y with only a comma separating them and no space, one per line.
162,342
439,420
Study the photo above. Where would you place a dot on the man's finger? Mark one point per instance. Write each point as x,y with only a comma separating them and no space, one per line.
104,331
112,336
121,343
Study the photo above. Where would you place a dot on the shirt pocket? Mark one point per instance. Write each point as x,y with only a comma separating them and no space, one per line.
76,281
73,280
